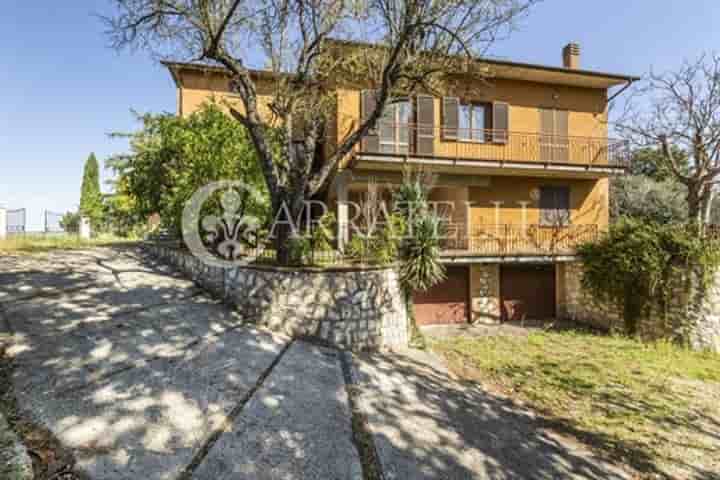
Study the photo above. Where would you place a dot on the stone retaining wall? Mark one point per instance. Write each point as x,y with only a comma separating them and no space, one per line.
579,305
357,308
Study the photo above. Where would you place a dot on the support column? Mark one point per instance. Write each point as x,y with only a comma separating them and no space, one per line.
3,222
342,184
485,293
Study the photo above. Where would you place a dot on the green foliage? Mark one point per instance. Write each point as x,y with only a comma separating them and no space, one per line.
420,248
381,245
650,162
645,198
70,222
172,157
120,216
421,268
91,204
634,265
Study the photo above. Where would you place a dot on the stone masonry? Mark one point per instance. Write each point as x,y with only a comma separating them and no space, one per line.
356,308
579,305
485,293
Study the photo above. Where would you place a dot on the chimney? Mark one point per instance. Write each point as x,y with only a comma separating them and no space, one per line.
571,55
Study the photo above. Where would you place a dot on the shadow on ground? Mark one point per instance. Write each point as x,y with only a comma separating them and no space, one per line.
427,426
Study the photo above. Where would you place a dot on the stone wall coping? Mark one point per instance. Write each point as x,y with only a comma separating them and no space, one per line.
174,245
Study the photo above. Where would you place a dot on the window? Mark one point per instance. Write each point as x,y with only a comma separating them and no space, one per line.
471,122
554,206
395,127
475,122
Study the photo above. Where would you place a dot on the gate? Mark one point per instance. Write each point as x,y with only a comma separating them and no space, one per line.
16,220
52,222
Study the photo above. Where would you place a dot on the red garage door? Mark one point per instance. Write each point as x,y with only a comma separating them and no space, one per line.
527,291
446,302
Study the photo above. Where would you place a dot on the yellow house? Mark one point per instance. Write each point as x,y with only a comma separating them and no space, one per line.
522,168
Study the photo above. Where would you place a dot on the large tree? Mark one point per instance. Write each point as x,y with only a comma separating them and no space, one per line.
679,113
416,43
91,204
171,157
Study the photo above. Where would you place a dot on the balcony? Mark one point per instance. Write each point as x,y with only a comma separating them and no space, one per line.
395,142
516,240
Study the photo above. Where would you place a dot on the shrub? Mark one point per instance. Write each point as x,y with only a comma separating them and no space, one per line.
636,264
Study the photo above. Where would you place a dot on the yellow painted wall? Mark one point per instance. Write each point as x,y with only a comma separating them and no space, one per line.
588,200
201,87
587,118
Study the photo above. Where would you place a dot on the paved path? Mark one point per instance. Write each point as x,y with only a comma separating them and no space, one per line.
138,373
141,375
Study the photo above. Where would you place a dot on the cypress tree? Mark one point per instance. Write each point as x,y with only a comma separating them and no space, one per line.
90,196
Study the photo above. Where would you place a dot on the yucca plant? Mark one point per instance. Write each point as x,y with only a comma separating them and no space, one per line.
421,268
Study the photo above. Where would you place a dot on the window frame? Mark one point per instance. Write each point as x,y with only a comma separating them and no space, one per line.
562,217
486,107
396,144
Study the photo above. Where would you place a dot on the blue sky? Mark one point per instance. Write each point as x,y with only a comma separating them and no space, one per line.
62,90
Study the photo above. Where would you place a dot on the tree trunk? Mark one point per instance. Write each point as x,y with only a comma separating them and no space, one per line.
288,208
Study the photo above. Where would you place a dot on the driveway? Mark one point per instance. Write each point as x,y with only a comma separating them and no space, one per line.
131,371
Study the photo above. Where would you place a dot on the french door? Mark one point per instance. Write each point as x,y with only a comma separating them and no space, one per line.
394,128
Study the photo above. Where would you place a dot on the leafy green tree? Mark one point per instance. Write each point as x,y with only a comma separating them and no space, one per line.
644,198
70,222
172,157
649,162
91,204
649,191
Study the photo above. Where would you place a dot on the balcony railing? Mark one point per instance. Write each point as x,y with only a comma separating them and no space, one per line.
403,139
517,240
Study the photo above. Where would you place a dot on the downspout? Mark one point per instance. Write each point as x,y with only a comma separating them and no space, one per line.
627,85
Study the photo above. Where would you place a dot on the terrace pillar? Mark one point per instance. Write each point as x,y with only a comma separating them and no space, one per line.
342,184
3,222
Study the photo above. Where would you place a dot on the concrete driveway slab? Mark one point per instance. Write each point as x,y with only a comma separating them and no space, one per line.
296,426
148,422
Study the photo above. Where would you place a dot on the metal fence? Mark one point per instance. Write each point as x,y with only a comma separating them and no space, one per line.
16,221
52,222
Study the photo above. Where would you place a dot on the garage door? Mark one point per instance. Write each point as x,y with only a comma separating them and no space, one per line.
527,290
446,302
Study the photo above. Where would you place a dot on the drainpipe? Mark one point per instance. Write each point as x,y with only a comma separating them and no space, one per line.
616,94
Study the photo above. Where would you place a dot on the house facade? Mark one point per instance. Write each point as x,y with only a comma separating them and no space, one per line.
521,167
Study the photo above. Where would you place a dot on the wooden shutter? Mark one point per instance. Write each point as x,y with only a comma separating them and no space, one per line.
547,130
501,122
561,136
450,118
371,141
425,129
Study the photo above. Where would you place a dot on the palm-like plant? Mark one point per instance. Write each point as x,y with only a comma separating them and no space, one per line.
420,249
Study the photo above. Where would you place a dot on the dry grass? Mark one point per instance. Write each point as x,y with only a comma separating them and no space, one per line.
655,407
33,243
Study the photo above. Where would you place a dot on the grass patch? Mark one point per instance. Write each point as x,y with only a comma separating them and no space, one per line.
34,243
653,406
